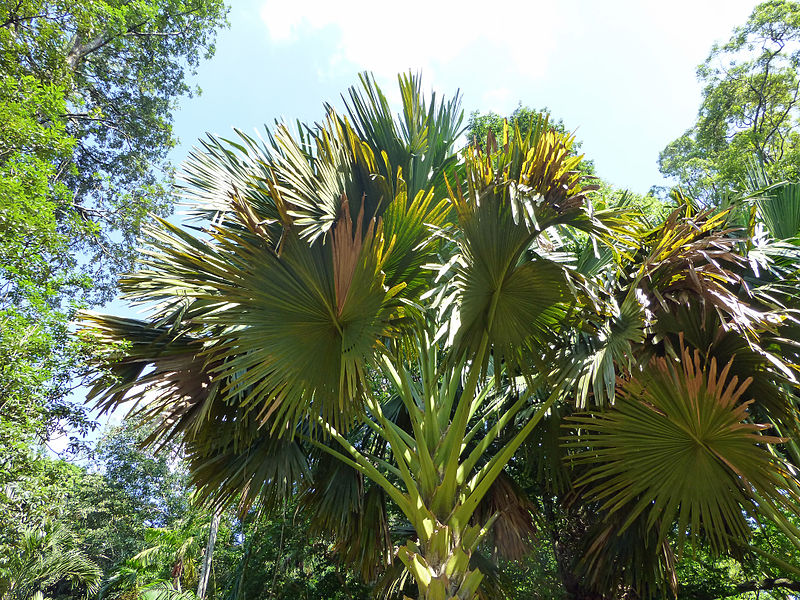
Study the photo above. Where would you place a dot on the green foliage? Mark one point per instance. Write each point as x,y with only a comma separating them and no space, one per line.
86,94
126,492
102,512
169,562
110,73
36,267
750,108
43,558
480,125
276,557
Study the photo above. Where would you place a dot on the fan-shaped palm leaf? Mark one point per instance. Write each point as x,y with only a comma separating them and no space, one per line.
678,445
296,333
779,210
506,289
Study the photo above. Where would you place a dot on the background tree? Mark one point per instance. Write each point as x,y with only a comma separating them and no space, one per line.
86,95
479,125
44,560
750,107
119,68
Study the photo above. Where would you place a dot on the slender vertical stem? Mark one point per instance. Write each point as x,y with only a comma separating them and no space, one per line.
205,570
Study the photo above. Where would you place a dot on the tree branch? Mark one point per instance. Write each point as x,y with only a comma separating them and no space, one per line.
767,584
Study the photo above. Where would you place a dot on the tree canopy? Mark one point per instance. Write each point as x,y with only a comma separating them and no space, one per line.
750,108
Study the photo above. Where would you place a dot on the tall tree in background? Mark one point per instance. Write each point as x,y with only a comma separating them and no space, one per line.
87,91
114,71
86,95
750,108
524,117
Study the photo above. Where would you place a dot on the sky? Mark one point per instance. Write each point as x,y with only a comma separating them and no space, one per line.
621,74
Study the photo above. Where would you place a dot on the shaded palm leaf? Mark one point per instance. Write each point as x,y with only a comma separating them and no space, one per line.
514,530
231,457
632,558
158,368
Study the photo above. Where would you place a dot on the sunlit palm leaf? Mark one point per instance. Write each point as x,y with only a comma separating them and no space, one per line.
678,446
421,143
779,210
696,259
507,290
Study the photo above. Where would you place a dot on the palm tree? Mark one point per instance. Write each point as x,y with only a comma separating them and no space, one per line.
698,361
159,571
360,291
47,556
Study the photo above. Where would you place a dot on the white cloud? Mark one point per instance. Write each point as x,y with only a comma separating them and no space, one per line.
498,100
418,34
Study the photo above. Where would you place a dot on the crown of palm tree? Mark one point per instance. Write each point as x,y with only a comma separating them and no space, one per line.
357,292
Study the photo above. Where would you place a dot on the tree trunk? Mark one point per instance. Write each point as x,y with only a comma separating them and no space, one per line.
440,564
205,570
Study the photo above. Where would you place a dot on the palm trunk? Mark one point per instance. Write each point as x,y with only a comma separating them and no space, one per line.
205,570
440,564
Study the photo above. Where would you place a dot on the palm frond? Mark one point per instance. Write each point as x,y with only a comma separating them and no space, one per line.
632,558
679,447
779,210
514,530
420,142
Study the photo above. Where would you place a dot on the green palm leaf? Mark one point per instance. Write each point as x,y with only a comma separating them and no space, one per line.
779,210
678,446
421,143
233,458
505,286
